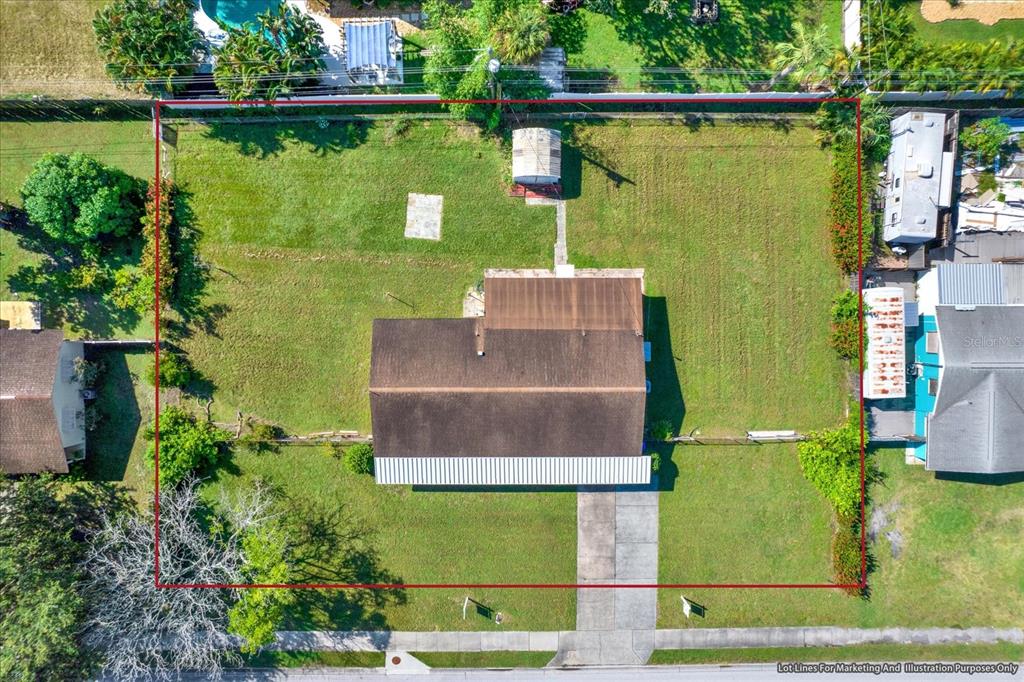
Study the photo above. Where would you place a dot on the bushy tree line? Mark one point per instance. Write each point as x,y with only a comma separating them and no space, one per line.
41,608
463,40
153,45
830,460
149,44
269,58
844,335
895,58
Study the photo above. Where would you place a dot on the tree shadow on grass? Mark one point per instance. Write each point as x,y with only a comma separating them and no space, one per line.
332,548
192,276
666,407
265,139
109,446
739,40
577,150
53,282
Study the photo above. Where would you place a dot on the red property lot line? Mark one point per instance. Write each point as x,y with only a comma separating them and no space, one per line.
193,104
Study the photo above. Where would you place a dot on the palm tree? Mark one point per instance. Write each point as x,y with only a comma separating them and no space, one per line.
521,34
805,58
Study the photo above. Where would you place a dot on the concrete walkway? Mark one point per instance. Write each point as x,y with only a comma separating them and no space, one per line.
695,638
617,542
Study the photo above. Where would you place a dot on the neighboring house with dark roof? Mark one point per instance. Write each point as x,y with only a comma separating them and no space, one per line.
42,412
547,388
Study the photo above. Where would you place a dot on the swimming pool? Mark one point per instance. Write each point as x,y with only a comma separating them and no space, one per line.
237,12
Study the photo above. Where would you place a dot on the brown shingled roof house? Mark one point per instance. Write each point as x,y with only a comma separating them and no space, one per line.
41,406
547,388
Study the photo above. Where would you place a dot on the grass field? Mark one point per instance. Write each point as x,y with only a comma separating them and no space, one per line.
960,563
954,30
48,48
729,223
413,536
299,271
115,449
741,514
125,145
486,659
693,57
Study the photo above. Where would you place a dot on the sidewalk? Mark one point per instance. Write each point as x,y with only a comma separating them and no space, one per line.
695,638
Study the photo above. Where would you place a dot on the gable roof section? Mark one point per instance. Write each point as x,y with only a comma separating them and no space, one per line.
531,393
978,423
581,302
29,434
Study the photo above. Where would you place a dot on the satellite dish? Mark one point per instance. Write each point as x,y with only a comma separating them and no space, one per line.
493,66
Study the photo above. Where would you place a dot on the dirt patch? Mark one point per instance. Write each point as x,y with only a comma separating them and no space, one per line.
882,517
987,12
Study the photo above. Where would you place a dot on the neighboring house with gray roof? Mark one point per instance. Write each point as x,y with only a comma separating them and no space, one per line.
919,177
42,412
977,425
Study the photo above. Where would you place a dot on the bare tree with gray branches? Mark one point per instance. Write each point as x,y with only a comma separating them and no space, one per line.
145,631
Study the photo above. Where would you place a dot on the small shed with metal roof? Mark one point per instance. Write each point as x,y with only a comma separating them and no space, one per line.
536,156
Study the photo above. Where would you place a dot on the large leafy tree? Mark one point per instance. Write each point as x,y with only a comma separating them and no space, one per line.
149,44
986,138
830,460
463,40
75,199
267,558
186,444
270,58
41,610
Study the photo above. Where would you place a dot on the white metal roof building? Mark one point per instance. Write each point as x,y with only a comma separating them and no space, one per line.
885,365
919,179
971,284
536,156
372,52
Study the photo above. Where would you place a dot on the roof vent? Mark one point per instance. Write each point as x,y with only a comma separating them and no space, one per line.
929,123
925,170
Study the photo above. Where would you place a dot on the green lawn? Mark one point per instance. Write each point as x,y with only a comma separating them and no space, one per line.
126,145
741,514
954,30
730,224
604,50
867,652
486,659
305,239
48,48
961,562
412,536
115,449
711,57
